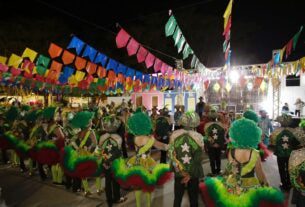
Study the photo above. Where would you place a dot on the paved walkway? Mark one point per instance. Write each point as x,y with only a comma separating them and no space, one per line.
21,190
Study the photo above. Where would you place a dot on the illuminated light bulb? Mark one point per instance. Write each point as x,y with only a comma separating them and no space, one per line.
234,76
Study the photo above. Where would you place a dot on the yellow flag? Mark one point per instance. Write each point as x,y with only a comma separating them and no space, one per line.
31,54
14,60
3,59
34,70
227,13
46,74
282,53
79,75
72,80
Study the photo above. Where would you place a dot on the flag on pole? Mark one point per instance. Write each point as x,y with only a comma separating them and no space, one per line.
227,14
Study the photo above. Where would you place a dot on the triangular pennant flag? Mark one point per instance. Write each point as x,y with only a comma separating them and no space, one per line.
181,43
227,52
54,50
91,68
187,51
67,57
3,68
43,60
228,27
3,59
296,38
63,79
157,65
89,52
132,47
146,78
224,45
170,26
141,54
80,63
112,65
149,60
77,44
122,38
31,54
101,59
177,35
15,60
164,67
227,13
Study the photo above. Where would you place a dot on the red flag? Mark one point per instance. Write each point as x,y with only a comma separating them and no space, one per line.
289,48
80,63
206,84
132,47
141,55
122,38
157,65
54,50
91,68
67,57
101,72
149,60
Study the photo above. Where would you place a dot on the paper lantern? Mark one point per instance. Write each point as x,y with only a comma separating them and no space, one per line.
228,87
216,87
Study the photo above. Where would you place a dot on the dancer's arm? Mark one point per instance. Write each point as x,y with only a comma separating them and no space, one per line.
260,173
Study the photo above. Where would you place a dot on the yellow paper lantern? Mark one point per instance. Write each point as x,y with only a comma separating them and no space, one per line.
228,87
216,87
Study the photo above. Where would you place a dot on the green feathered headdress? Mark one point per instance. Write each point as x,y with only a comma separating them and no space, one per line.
32,116
245,133
49,112
250,114
111,123
12,114
189,119
139,123
25,108
285,120
302,124
81,119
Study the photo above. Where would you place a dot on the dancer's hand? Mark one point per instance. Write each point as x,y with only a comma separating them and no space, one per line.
186,179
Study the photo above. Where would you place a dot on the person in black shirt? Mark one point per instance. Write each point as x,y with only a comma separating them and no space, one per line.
200,107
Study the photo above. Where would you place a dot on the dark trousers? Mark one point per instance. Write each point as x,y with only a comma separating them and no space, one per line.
192,190
215,159
283,170
74,182
4,156
112,189
298,113
22,165
163,158
124,149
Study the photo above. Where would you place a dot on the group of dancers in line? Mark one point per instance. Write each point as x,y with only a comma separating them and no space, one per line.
90,145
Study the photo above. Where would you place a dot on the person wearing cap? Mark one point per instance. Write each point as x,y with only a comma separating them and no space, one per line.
186,148
296,167
109,146
266,126
200,107
285,142
214,141
244,183
141,172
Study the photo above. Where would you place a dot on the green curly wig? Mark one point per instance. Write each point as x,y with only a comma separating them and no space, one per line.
139,124
49,112
12,114
245,133
302,124
25,108
189,119
81,119
250,114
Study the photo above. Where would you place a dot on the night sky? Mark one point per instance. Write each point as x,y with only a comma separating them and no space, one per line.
258,27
